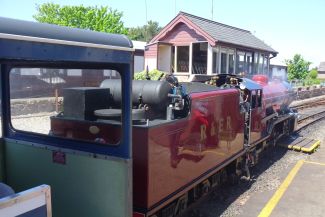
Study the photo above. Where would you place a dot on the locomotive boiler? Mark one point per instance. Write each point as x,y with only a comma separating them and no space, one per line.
187,137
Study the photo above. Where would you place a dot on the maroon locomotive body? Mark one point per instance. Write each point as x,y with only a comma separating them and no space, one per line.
187,136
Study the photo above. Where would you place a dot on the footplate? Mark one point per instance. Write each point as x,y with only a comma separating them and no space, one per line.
302,144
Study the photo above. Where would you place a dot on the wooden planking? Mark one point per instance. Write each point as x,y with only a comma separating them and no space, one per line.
151,50
182,35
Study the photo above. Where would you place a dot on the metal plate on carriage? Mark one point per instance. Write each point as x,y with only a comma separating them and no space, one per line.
137,114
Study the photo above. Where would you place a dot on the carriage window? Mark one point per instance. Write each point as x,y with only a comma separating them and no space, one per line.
70,103
253,99
259,98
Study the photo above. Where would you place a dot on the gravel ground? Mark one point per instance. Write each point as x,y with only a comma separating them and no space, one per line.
267,175
37,123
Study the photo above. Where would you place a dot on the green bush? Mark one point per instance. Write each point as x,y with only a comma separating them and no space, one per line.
311,78
316,81
313,74
309,81
153,74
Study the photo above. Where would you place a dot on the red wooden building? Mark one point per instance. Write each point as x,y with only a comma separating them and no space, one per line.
190,45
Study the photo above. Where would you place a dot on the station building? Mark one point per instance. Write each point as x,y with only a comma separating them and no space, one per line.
189,45
321,70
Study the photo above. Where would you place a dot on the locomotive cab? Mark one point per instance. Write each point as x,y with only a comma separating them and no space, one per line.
251,106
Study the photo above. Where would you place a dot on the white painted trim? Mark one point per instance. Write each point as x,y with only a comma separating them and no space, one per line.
62,42
219,60
210,60
224,52
215,50
175,58
249,54
190,61
235,61
242,53
181,73
231,51
26,201
227,63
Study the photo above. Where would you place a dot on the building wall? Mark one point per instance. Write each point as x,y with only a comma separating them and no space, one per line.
321,75
164,58
150,56
151,51
138,63
182,35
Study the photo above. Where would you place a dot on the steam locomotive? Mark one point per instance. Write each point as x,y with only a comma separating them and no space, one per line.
187,137
147,148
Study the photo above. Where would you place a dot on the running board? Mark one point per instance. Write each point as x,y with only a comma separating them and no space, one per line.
302,144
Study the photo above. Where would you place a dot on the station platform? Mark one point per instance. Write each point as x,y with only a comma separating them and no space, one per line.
301,192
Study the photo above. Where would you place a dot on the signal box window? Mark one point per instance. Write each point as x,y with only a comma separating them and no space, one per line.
68,103
183,55
199,58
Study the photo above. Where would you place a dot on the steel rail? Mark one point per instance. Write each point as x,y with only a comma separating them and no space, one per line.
309,104
318,116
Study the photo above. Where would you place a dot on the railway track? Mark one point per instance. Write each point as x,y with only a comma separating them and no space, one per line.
310,119
315,112
309,105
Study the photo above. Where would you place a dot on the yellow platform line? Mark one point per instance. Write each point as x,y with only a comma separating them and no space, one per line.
312,162
267,210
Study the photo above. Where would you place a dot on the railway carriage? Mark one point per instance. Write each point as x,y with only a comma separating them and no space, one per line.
114,146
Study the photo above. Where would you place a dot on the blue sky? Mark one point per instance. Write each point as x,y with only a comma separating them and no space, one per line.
289,26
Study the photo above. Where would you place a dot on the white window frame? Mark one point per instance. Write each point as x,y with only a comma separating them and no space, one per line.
209,57
227,51
176,72
217,51
249,54
231,52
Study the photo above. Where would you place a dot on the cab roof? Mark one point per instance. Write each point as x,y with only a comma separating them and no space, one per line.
49,33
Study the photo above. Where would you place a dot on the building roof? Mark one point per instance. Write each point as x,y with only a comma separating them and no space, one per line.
321,67
139,45
216,32
228,34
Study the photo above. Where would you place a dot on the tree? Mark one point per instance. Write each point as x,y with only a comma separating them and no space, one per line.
298,68
102,19
145,32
